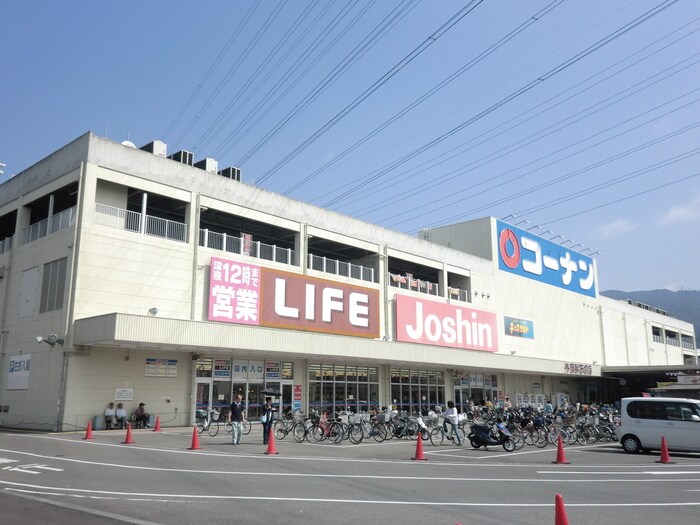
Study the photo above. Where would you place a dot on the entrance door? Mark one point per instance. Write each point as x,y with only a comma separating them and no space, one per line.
203,399
287,398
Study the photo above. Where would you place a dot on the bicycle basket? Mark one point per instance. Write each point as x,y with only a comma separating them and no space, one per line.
215,415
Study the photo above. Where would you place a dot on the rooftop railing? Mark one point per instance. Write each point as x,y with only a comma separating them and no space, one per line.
245,246
336,267
57,222
6,244
407,282
132,221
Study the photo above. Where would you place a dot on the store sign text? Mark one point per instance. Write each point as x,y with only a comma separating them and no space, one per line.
578,369
537,258
441,324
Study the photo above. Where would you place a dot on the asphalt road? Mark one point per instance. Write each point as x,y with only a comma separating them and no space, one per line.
63,478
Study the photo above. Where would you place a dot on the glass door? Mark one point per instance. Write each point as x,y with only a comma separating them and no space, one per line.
203,397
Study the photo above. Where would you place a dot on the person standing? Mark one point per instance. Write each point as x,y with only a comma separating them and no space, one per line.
266,419
235,417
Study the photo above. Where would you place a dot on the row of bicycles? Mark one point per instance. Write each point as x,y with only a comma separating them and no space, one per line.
513,428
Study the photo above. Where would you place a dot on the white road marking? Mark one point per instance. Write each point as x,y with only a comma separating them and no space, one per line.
145,496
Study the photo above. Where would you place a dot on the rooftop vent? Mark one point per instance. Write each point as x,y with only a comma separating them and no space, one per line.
185,157
231,173
156,147
207,164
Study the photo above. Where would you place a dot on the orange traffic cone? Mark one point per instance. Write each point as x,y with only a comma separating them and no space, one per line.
561,457
665,458
271,443
88,432
560,517
156,428
419,448
129,440
195,439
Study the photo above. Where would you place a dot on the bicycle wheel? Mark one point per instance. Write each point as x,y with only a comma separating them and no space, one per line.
246,427
279,428
518,437
390,430
200,427
411,430
213,428
228,427
355,434
437,436
539,438
379,432
299,432
335,433
316,433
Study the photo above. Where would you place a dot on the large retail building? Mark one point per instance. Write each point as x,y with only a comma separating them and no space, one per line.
131,275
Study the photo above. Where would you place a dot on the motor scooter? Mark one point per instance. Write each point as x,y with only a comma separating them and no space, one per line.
485,435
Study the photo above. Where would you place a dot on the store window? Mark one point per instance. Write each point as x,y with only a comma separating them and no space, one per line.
417,391
335,388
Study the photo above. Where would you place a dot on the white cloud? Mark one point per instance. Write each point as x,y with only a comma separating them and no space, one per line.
683,212
617,228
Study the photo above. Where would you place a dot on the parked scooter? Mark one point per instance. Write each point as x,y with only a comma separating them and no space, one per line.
486,436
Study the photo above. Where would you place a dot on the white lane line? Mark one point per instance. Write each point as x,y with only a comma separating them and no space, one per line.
335,500
351,476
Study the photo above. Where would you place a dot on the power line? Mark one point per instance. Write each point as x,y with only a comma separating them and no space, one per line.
524,89
369,91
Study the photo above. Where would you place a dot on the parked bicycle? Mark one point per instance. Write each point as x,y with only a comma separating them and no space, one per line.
208,420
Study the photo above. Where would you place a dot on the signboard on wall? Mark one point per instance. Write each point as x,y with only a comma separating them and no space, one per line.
296,402
245,370
222,368
161,367
519,327
18,372
248,294
534,257
432,323
124,394
272,371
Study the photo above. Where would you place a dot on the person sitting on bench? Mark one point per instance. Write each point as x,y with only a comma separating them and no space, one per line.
141,417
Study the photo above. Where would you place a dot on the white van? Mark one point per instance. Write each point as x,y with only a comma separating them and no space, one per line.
644,420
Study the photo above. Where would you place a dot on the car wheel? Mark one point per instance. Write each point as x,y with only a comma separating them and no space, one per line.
631,444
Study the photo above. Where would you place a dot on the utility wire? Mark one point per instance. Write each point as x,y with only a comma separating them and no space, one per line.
524,89
431,92
369,91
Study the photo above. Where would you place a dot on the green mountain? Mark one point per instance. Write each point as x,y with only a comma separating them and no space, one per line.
683,304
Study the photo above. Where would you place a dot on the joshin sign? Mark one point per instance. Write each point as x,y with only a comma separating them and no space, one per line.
433,323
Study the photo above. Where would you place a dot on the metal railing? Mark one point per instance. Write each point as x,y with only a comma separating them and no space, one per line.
336,267
657,339
406,282
57,222
672,341
688,345
249,247
6,244
457,294
132,221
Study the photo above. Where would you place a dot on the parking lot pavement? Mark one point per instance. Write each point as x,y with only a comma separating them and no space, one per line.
158,478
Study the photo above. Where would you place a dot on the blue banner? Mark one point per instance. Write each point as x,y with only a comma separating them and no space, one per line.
534,257
519,327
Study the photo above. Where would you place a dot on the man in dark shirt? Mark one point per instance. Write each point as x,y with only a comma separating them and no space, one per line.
235,416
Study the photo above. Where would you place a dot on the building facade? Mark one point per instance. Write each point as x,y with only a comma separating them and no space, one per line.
132,276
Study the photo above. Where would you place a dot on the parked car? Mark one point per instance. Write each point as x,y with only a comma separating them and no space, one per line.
645,420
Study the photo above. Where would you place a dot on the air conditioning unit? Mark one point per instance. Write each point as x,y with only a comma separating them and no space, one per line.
185,157
231,173
207,165
156,147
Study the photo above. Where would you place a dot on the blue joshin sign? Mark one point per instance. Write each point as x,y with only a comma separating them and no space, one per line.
534,257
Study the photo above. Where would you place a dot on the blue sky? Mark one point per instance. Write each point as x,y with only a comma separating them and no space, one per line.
575,117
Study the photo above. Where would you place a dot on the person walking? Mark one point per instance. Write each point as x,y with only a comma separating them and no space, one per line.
266,419
235,417
451,418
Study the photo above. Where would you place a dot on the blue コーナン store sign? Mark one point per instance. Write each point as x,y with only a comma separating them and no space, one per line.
537,258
